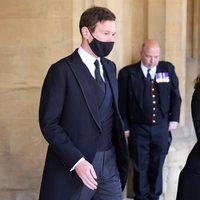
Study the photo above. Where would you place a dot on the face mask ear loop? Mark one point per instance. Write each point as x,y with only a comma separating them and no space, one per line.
91,34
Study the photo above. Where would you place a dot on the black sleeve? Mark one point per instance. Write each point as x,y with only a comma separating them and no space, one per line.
123,96
196,111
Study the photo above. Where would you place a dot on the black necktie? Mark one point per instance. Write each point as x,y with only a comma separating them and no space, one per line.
98,76
148,75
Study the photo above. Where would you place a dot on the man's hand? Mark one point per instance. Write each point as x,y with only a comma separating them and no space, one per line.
173,125
87,174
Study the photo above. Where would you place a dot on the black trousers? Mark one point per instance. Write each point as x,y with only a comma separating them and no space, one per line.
148,146
109,185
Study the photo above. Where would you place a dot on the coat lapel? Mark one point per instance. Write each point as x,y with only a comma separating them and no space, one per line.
111,78
137,84
78,68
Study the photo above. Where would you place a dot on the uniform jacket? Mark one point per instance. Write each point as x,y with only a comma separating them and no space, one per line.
131,89
70,123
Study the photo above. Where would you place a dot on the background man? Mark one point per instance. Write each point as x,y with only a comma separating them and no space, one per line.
149,101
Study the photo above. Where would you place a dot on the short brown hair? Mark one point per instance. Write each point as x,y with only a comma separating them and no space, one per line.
93,15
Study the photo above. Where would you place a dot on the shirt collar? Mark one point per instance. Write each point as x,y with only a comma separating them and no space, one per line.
152,72
86,57
89,60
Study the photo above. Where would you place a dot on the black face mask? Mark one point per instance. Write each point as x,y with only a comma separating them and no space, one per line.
101,49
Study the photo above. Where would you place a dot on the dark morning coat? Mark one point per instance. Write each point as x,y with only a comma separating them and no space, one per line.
189,179
70,123
131,89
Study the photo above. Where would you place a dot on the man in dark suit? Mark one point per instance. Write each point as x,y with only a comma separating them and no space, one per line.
149,102
79,118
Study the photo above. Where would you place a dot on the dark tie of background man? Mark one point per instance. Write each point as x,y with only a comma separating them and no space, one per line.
98,76
148,75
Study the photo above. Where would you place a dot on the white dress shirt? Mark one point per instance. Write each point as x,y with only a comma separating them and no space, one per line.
89,61
152,71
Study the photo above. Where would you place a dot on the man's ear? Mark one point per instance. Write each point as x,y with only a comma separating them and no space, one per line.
85,32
